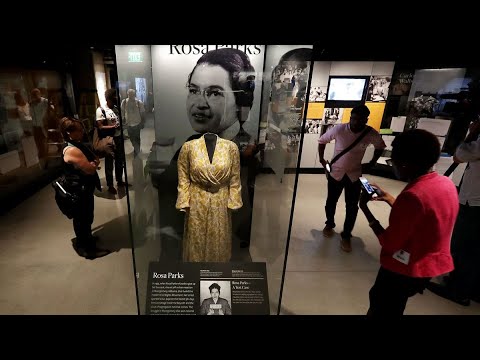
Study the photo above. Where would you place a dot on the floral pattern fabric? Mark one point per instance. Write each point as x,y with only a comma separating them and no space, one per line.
207,192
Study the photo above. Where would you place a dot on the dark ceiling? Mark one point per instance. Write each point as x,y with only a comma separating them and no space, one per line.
404,54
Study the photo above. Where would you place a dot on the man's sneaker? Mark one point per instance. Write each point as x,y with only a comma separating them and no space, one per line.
328,231
346,245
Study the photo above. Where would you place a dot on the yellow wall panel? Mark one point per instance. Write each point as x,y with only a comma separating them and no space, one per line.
346,115
315,110
376,114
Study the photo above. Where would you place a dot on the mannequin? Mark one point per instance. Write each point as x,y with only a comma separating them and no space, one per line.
209,188
211,142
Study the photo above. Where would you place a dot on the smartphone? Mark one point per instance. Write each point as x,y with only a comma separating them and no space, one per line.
368,188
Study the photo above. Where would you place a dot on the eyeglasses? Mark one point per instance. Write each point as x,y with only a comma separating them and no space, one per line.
210,94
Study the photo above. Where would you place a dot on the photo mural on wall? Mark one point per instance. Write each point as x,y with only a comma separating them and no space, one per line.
318,94
289,81
378,88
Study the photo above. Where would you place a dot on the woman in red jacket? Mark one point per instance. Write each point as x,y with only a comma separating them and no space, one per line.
416,243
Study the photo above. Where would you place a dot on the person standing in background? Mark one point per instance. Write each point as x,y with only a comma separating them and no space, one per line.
345,172
108,122
23,109
133,113
39,107
463,283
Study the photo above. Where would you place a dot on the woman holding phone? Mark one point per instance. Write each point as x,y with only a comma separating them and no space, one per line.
416,243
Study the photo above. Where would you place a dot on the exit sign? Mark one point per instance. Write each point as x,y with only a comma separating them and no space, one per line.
135,56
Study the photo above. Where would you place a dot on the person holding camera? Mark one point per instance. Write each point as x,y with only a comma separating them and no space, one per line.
108,123
351,142
80,170
416,243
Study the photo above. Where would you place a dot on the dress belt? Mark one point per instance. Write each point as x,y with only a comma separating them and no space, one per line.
211,188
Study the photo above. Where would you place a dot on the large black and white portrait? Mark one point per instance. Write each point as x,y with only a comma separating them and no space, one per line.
378,88
202,91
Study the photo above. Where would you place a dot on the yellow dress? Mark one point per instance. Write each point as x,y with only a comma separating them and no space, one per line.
207,192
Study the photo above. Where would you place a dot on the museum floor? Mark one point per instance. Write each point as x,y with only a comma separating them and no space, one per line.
40,273
331,281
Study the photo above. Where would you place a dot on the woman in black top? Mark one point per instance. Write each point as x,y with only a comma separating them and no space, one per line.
80,169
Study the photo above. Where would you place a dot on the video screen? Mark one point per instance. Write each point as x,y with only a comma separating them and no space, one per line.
346,89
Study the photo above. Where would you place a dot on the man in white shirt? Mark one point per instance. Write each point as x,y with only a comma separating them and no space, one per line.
108,123
464,282
133,113
345,172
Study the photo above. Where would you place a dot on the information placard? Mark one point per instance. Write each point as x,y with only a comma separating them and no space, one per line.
207,289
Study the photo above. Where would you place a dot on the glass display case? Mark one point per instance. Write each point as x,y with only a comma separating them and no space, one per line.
213,134
32,102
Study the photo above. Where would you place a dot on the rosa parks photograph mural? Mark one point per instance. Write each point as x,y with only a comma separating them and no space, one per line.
200,91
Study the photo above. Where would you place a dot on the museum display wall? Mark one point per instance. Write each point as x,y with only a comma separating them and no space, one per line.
320,118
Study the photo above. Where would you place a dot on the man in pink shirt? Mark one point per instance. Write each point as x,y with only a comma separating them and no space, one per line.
346,171
416,243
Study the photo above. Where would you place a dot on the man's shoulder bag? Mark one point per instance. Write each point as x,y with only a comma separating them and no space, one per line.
103,145
328,167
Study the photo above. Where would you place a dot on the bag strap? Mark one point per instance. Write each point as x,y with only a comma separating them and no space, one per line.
103,113
138,107
450,170
67,145
352,145
72,144
461,180
142,114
